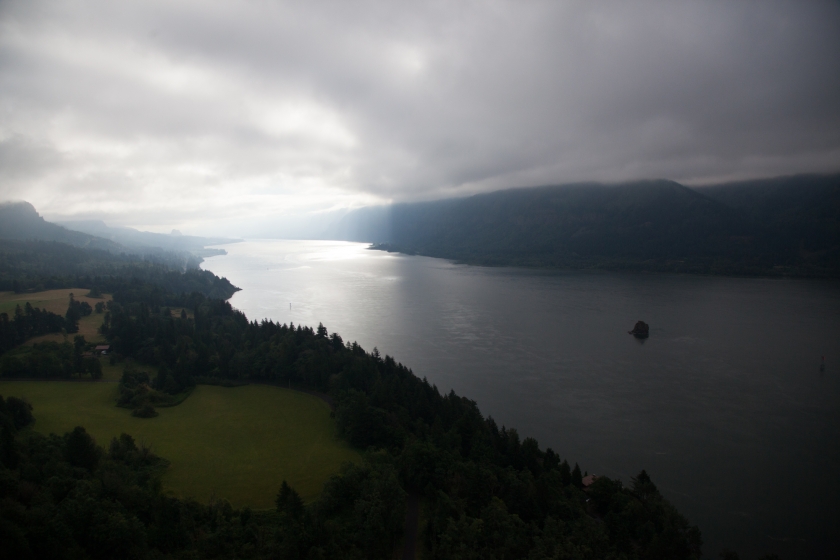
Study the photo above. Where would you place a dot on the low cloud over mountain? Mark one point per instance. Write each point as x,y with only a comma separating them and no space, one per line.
216,117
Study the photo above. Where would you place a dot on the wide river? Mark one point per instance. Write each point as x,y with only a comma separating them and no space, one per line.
724,405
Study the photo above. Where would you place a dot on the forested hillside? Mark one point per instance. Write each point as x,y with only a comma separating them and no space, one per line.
487,492
787,226
39,265
798,216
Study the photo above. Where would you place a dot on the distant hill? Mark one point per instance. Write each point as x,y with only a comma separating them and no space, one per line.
797,216
22,226
36,255
20,220
144,239
781,226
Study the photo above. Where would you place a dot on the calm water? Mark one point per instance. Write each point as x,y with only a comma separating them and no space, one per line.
724,404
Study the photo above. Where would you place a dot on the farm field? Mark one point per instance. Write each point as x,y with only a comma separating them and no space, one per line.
234,443
56,301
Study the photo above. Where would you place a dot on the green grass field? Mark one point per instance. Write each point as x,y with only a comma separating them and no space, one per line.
57,301
234,443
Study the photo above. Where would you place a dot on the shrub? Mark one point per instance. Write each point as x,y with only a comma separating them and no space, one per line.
145,411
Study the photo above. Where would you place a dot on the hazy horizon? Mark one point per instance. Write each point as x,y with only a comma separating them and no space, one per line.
237,118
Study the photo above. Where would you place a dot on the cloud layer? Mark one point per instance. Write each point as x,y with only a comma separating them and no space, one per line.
214,115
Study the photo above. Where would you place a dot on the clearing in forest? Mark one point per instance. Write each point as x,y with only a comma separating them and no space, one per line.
235,443
57,301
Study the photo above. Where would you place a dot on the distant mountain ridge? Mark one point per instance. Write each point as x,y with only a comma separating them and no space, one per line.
131,237
20,220
37,255
788,225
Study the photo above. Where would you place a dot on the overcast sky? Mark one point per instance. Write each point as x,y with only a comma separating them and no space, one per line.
227,116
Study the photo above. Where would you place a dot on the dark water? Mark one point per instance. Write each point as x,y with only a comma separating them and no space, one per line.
724,404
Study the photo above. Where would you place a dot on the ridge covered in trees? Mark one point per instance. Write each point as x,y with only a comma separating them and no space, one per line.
785,226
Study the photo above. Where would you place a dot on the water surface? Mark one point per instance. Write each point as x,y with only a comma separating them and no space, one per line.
724,405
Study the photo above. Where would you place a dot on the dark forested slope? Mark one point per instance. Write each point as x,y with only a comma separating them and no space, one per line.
559,225
488,493
781,226
41,265
795,216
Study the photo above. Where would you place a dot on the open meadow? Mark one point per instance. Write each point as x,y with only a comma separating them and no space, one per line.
56,301
234,443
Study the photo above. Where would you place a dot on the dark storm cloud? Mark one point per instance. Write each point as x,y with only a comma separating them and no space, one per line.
180,112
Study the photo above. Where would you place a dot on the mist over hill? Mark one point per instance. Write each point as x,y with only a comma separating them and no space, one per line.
133,238
787,226
37,255
20,221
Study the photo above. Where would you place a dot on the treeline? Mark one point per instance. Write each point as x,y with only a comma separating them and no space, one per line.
64,497
26,323
490,494
29,322
34,266
52,360
49,359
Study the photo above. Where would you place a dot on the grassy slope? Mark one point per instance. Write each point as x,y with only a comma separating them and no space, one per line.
233,443
57,301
